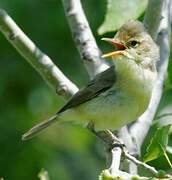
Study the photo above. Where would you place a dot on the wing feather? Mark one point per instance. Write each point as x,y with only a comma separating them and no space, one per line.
99,84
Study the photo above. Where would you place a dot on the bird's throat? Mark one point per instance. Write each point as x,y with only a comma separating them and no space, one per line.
133,78
135,82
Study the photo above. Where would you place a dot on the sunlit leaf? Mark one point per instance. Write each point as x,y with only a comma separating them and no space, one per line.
158,144
118,12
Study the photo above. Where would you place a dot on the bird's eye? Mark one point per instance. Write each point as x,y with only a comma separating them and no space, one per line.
132,43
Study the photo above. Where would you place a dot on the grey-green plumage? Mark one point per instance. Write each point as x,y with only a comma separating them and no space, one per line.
120,94
101,82
95,87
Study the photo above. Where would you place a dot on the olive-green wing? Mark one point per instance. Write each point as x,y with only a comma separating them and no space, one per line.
99,84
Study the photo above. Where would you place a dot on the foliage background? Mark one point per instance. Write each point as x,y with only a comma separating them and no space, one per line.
65,151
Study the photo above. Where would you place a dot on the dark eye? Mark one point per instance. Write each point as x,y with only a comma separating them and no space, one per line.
132,43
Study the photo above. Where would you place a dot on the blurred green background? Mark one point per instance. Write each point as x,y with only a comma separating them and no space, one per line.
67,152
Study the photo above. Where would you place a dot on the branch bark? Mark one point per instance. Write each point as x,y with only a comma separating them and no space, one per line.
83,37
153,16
40,61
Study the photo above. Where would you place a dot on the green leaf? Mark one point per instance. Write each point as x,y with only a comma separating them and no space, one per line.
158,144
118,12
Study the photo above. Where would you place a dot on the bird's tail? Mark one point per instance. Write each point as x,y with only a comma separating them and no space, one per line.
39,127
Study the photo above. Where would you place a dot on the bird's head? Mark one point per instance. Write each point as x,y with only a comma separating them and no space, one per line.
133,41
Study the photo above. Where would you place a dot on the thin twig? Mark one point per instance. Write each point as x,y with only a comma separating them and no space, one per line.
83,37
137,162
40,61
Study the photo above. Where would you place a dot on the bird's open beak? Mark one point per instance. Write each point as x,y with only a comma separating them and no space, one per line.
118,45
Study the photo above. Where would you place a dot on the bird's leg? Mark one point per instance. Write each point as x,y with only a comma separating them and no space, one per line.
106,136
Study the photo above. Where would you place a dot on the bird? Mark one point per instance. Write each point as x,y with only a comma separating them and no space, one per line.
120,94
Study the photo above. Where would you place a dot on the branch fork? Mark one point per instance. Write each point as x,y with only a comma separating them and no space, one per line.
115,150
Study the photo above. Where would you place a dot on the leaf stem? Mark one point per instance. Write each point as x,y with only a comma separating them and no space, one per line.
167,158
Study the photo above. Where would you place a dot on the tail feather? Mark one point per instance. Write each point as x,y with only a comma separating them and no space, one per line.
38,128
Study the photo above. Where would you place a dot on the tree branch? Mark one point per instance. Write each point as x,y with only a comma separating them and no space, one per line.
116,161
83,37
153,16
40,61
137,130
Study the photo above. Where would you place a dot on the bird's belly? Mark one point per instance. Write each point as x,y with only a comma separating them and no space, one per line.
111,110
